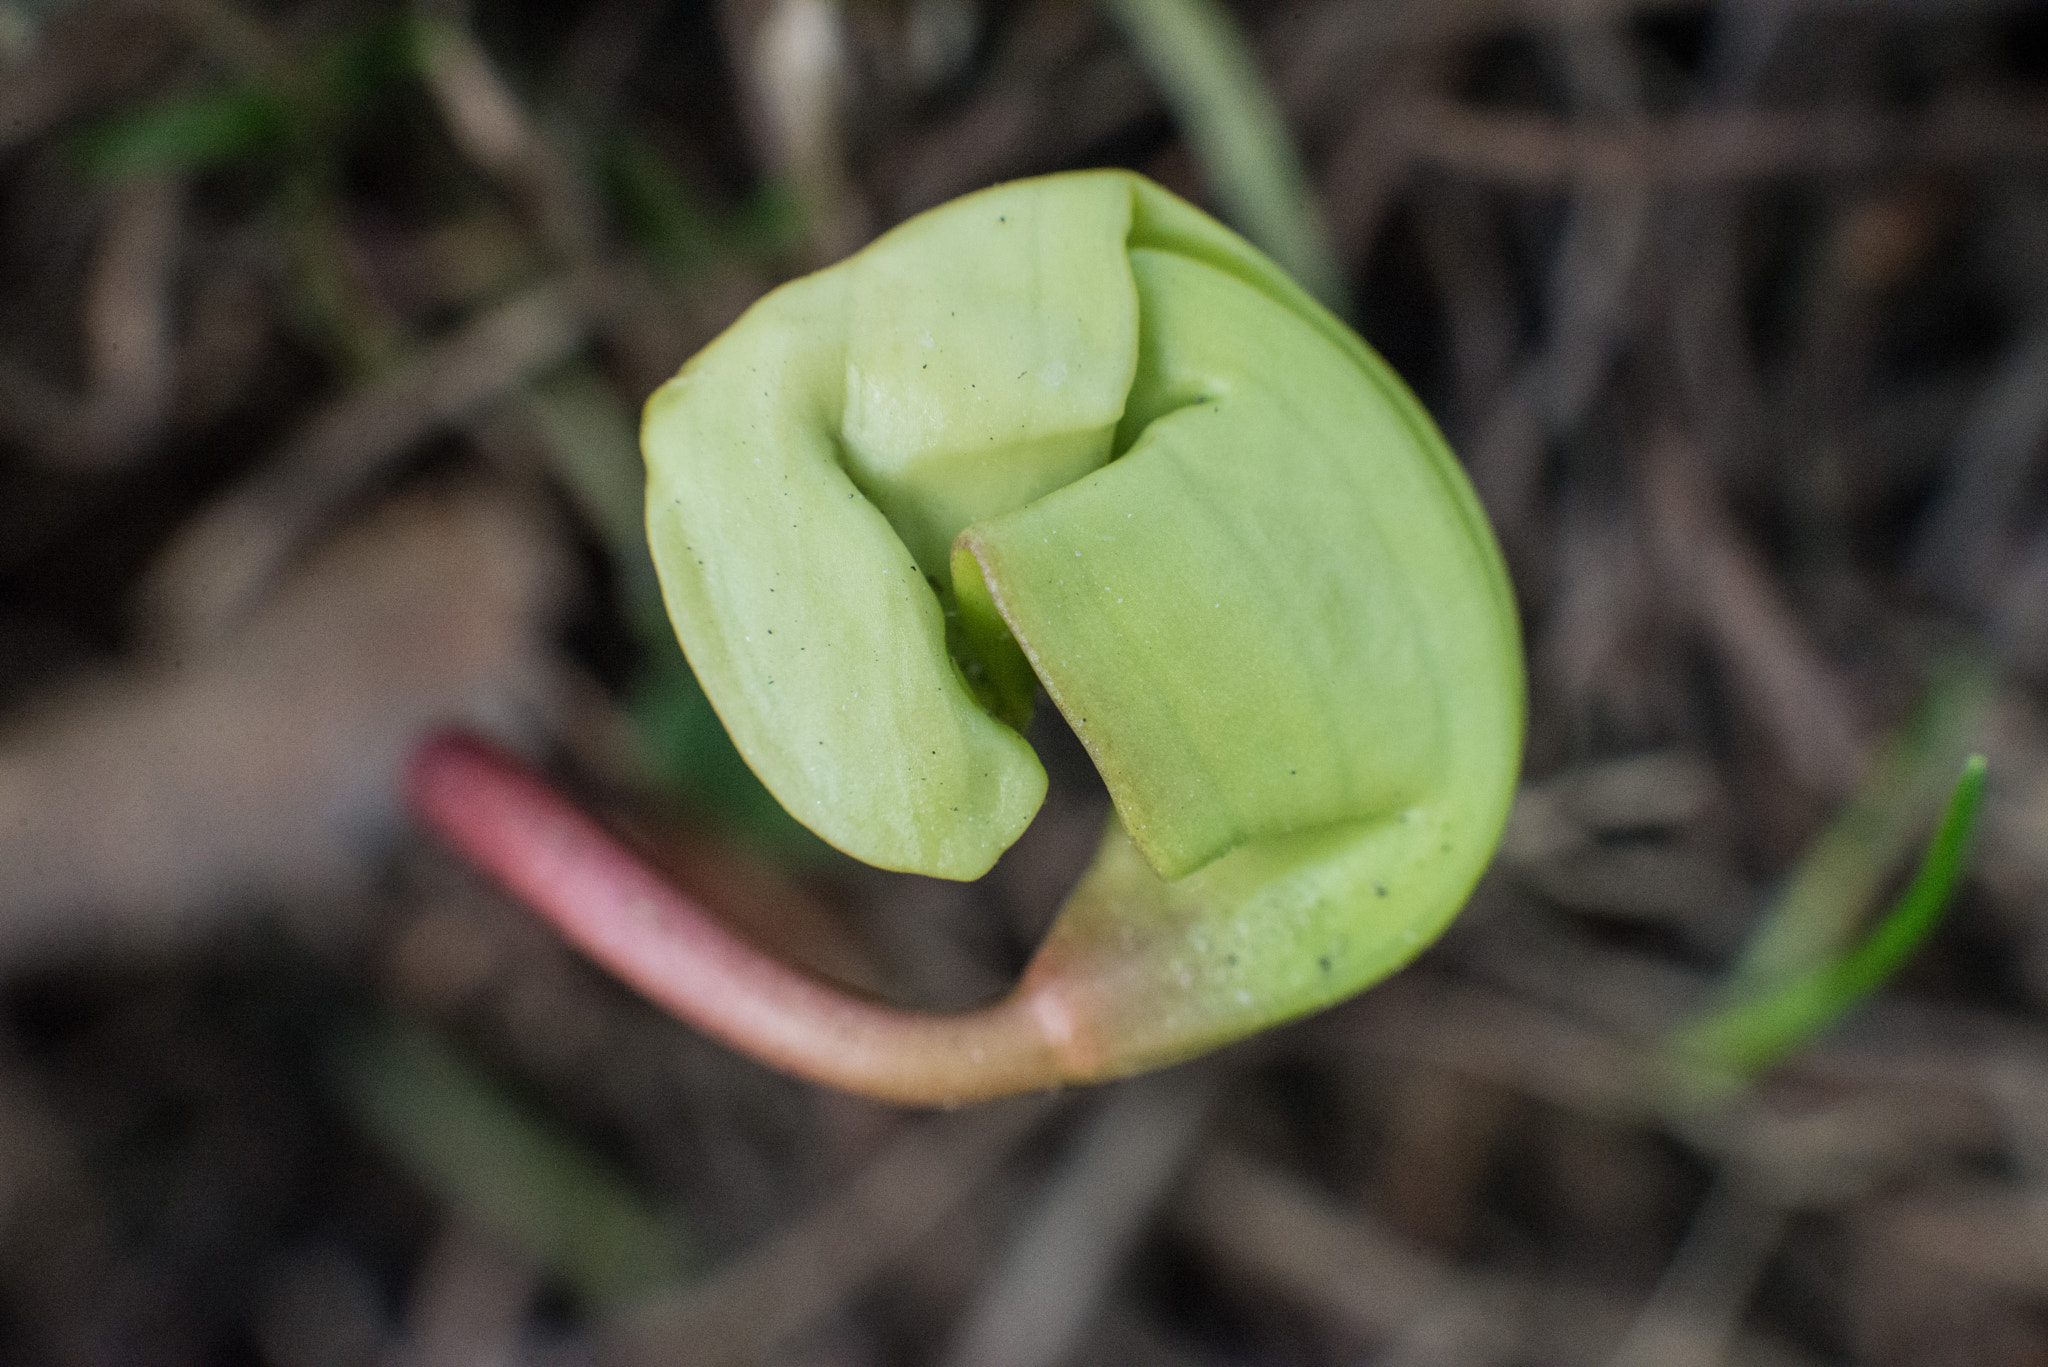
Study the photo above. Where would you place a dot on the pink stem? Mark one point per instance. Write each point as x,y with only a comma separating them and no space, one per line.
626,917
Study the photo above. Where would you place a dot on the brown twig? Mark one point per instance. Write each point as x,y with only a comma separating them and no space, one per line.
1788,685
1534,151
1055,1273
224,559
785,1285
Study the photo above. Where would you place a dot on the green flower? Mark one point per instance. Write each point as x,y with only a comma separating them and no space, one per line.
1072,433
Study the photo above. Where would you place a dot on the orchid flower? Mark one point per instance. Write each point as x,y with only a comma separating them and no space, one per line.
1071,435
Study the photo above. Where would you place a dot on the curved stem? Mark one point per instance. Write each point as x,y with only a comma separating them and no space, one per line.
629,919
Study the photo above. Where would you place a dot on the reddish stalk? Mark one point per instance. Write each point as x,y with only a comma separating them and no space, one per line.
609,903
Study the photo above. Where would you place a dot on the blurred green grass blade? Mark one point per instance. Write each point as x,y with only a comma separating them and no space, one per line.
474,1147
1827,898
1754,1032
218,127
594,449
191,133
1235,128
771,222
657,207
361,65
667,217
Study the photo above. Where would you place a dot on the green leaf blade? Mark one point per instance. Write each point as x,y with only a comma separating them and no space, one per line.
192,133
1754,1032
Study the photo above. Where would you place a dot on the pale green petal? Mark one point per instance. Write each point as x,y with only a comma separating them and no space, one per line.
988,352
1231,616
808,472
814,633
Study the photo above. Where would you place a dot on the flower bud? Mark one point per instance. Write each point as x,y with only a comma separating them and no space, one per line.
1072,433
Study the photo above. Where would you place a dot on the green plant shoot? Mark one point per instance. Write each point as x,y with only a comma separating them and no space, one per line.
1071,433
1762,1026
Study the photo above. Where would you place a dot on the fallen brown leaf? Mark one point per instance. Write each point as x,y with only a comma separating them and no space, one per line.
265,765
